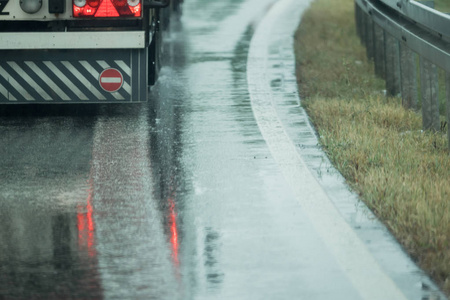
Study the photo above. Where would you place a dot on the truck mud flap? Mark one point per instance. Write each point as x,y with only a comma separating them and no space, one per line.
84,76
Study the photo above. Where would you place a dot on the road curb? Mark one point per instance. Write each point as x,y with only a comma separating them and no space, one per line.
368,264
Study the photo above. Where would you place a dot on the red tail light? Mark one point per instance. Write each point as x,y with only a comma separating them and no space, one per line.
106,8
93,3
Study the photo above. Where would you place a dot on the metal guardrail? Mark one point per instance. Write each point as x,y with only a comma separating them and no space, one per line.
422,14
399,33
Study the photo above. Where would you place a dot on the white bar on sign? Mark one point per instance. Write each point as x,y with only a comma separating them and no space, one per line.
111,80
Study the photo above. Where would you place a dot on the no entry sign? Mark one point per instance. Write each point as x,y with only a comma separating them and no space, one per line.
111,80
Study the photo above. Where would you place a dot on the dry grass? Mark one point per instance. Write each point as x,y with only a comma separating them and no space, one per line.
400,172
442,5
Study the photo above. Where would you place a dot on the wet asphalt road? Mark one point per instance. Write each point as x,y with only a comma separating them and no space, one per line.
192,196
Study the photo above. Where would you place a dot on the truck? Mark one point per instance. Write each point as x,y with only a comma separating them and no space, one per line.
80,51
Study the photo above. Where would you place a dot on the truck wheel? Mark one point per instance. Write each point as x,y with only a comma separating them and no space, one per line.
154,58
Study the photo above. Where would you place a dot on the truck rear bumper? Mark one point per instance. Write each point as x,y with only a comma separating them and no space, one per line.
74,76
72,40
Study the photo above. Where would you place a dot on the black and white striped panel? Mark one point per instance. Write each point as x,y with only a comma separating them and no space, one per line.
61,81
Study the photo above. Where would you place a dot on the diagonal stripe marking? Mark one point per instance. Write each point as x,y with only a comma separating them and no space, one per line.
66,80
30,80
3,91
16,85
50,83
123,66
83,80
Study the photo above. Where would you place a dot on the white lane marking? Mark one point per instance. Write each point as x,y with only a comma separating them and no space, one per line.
83,80
66,80
16,85
47,80
352,255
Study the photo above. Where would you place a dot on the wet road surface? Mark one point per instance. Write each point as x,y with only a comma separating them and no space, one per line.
215,189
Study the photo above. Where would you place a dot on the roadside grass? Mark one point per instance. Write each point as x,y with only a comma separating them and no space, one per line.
441,5
400,172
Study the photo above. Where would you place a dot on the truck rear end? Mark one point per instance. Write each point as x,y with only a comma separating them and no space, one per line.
78,51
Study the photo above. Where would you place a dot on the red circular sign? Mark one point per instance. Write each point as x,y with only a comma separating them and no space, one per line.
111,80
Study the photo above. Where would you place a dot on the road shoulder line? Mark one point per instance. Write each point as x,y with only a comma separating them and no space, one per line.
350,252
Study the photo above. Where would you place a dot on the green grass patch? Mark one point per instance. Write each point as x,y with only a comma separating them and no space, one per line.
441,5
400,172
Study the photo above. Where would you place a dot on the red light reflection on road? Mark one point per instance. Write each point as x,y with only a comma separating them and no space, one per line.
173,233
86,226
174,241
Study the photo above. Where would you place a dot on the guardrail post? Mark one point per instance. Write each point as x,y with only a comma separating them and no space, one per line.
430,92
379,57
392,65
408,77
363,17
358,20
370,38
447,87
